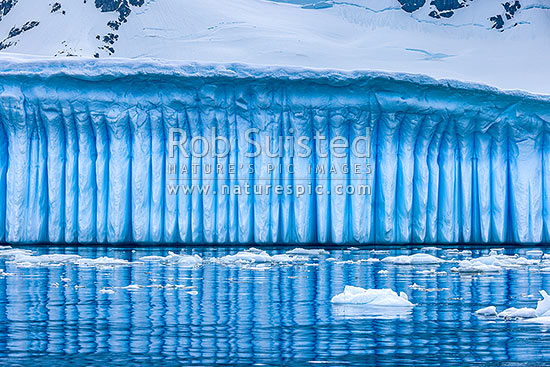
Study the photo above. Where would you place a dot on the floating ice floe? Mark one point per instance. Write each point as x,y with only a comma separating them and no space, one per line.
258,256
4,274
103,262
372,297
432,272
172,258
487,311
106,291
416,259
518,313
430,248
492,263
468,266
131,287
417,287
307,252
23,260
12,253
534,253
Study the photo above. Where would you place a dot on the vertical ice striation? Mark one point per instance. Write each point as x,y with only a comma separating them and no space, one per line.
87,158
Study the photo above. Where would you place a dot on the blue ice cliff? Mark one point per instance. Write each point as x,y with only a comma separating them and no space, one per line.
85,156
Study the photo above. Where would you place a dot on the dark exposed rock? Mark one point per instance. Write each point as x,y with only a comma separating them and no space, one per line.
56,7
510,9
123,8
411,5
16,31
6,6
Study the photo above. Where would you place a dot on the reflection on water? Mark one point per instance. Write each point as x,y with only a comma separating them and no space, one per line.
236,314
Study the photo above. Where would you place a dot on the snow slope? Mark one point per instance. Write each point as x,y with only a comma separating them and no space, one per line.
500,43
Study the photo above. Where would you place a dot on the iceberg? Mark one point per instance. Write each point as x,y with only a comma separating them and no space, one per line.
86,156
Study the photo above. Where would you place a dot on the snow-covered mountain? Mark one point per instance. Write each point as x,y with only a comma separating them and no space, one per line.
503,43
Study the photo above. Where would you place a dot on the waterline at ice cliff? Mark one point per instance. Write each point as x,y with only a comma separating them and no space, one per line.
84,156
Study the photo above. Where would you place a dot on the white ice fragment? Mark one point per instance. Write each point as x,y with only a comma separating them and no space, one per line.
383,272
371,297
4,274
487,311
192,293
519,313
416,259
430,248
307,252
543,306
65,280
106,291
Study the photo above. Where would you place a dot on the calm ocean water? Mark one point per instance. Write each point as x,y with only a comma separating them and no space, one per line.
59,312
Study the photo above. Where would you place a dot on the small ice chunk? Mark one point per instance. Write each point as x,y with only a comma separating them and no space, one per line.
284,258
247,256
106,291
370,260
430,248
131,287
416,259
43,260
487,311
431,272
307,252
534,253
473,266
102,261
65,280
519,313
192,293
173,258
543,306
383,272
372,297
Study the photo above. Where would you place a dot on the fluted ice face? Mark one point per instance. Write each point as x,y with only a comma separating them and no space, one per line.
88,159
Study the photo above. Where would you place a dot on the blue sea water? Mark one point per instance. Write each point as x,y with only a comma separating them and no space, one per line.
57,312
